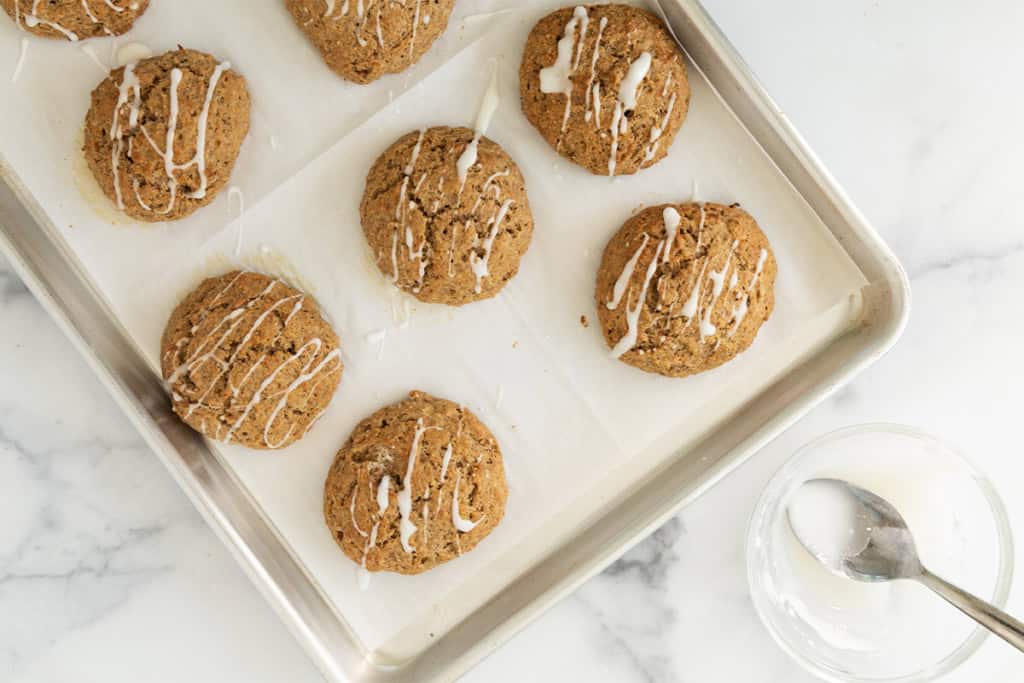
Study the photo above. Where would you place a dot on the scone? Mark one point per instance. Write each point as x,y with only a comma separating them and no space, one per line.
249,360
683,288
446,215
75,20
162,134
417,484
362,40
605,85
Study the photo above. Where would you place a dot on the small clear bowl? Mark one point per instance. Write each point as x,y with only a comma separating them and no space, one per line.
854,632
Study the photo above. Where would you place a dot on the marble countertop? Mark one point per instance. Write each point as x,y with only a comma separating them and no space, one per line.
106,571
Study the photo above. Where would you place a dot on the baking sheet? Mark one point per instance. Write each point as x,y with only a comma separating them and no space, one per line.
569,419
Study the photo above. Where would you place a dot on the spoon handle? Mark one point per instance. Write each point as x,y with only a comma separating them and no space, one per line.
992,618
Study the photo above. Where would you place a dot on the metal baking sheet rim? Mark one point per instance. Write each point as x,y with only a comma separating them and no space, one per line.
56,279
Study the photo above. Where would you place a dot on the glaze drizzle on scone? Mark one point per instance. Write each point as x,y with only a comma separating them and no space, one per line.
446,214
248,359
444,469
623,82
362,40
75,20
676,285
148,115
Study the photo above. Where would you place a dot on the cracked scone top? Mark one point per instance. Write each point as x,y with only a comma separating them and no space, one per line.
683,288
446,215
362,40
162,134
418,483
249,360
75,20
605,85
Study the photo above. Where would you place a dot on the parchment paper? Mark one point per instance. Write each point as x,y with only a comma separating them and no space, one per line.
568,418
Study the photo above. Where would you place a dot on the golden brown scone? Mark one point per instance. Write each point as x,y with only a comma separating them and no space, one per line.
439,239
605,85
75,20
205,105
683,288
417,484
250,360
362,40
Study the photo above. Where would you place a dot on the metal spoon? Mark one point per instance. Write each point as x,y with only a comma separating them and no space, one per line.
889,553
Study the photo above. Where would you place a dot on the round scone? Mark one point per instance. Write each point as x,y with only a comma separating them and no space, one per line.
249,360
446,215
683,288
605,85
417,484
162,134
75,20
361,40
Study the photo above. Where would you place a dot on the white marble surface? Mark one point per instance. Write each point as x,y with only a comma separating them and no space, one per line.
107,574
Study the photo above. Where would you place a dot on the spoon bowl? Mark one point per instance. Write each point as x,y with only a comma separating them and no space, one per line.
884,548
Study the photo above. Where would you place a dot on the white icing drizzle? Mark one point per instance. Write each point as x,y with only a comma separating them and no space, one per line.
657,131
447,458
557,78
364,8
406,528
717,277
479,264
630,86
445,461
402,208
627,274
208,346
88,52
626,102
463,526
628,341
415,24
22,52
92,17
352,514
488,106
167,153
31,19
672,220
371,542
593,92
692,304
613,155
204,116
740,310
382,494
490,185
129,82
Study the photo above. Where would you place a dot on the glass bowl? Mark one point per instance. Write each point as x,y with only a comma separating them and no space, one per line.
843,630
